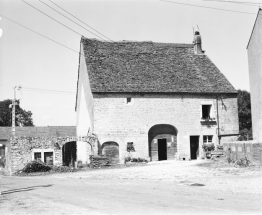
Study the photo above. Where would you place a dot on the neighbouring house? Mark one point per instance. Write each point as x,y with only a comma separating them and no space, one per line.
254,50
164,99
54,145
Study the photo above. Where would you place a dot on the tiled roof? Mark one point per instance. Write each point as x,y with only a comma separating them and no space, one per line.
49,131
151,67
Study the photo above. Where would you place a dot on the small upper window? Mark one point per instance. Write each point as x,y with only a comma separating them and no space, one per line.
206,111
128,100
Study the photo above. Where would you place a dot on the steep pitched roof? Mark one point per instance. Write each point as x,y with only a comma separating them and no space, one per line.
151,67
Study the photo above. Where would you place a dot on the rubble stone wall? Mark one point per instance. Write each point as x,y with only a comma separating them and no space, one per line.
21,149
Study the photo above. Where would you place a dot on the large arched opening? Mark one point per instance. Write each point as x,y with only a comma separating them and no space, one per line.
162,142
69,153
111,151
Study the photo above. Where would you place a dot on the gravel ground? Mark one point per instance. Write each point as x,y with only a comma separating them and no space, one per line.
166,187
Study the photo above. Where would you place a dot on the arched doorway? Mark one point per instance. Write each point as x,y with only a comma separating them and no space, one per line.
111,151
69,153
162,142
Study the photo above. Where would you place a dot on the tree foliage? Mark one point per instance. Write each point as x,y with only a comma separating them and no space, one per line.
244,110
244,114
22,117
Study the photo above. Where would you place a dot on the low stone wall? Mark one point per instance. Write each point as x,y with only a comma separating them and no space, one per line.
239,149
22,148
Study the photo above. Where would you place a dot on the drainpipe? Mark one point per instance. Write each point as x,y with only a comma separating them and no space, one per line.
218,129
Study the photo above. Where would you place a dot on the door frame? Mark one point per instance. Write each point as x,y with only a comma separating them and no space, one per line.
198,151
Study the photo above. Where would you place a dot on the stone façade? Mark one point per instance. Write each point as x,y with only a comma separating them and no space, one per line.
117,121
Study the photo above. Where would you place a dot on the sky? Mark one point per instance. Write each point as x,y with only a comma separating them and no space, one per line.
32,61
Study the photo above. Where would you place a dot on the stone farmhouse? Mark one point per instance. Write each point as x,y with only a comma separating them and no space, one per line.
163,99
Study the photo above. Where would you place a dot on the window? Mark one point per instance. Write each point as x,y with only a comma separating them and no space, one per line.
130,147
206,111
128,100
37,156
44,155
207,138
48,158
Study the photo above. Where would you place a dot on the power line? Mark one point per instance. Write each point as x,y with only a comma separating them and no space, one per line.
39,34
80,20
235,2
71,19
214,8
51,18
47,90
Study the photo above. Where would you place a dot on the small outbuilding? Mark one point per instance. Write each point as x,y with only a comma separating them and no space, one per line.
53,145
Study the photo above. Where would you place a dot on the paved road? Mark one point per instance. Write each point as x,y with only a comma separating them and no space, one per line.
135,190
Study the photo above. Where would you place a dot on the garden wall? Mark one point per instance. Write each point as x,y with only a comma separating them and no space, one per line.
22,150
238,149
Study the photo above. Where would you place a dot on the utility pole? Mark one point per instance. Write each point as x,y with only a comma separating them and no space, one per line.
13,110
218,129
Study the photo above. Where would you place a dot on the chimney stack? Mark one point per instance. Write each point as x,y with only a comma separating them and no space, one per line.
197,43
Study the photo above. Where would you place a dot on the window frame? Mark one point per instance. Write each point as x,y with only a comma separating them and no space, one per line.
211,114
131,102
207,139
42,151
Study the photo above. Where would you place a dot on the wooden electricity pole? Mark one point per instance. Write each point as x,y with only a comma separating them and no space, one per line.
13,110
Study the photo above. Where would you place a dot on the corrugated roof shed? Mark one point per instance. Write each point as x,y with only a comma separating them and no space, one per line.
151,67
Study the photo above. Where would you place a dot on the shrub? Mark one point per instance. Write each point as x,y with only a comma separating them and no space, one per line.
36,166
135,160
62,169
208,147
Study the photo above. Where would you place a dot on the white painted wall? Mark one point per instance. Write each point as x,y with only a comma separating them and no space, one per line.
255,77
84,109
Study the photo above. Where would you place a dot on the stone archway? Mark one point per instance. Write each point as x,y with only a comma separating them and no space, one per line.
162,142
69,153
111,151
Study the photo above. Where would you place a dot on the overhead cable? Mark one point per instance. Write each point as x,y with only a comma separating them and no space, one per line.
47,90
51,18
80,20
39,34
235,2
214,8
71,20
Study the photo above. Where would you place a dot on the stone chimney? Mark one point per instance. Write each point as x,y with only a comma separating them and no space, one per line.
197,43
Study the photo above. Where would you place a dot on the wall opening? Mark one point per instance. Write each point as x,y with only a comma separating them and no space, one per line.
111,151
2,155
194,147
162,142
162,149
69,153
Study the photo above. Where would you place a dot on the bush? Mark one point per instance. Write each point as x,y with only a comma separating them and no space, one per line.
36,166
208,147
135,160
62,169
